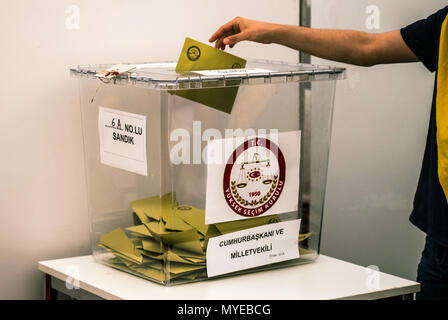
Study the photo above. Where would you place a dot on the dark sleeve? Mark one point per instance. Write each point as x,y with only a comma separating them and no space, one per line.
423,37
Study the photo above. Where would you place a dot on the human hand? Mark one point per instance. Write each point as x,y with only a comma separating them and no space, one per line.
240,29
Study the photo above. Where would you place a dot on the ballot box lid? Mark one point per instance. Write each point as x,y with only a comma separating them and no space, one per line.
162,75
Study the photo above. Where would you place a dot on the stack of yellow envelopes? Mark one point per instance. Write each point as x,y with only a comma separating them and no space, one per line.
168,242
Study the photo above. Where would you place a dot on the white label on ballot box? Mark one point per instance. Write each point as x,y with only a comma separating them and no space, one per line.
123,140
253,247
251,177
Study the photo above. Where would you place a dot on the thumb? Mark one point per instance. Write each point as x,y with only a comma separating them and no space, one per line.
234,39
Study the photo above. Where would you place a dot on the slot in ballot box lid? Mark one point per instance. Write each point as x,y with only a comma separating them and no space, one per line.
162,75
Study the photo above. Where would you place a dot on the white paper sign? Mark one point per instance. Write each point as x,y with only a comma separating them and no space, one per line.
256,176
232,72
253,247
123,140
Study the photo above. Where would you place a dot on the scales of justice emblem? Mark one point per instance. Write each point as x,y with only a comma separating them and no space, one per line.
254,177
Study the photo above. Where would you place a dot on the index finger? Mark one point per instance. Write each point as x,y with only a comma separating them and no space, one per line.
223,30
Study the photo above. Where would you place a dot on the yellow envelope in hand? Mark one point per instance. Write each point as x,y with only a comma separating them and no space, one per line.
196,56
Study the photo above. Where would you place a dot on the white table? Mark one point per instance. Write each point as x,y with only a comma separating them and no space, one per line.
326,278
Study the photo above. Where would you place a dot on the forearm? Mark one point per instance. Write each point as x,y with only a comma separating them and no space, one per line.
346,46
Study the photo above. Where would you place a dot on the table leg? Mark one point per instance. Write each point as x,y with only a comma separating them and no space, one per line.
408,297
50,293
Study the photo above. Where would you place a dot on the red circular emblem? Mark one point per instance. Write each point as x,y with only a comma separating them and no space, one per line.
254,174
254,177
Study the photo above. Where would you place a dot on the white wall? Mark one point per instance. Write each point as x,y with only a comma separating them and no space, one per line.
42,191
379,134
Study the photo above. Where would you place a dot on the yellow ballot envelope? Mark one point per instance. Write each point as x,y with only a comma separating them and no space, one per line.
196,56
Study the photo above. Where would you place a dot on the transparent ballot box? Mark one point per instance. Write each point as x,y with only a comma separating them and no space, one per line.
203,174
